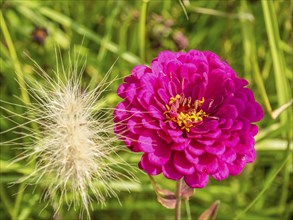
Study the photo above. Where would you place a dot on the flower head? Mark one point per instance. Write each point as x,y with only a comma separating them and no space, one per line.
190,115
73,145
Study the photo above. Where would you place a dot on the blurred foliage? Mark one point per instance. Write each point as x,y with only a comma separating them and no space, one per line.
254,37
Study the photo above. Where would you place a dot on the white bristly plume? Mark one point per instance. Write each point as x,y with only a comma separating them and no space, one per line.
73,138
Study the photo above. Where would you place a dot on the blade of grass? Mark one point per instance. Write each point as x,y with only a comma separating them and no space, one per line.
18,201
15,61
213,12
66,21
79,28
8,167
167,5
282,87
105,40
24,96
281,109
142,25
279,66
273,144
7,204
266,185
124,30
284,207
184,9
250,58
270,131
267,67
187,207
109,30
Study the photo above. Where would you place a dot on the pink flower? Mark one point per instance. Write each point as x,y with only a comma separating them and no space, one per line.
190,115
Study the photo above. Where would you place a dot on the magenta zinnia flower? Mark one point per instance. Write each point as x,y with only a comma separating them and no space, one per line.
190,115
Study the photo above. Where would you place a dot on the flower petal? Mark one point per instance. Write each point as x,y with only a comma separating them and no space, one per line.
148,167
227,112
154,112
157,160
161,153
222,172
197,180
229,155
196,148
134,125
216,149
170,171
250,156
146,142
180,146
150,123
207,163
191,157
182,164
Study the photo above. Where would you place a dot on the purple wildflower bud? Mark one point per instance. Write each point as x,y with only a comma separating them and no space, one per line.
180,40
190,115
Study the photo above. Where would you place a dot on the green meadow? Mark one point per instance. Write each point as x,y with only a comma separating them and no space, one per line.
253,36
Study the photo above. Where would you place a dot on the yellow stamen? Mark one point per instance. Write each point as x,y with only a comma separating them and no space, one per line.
187,114
173,99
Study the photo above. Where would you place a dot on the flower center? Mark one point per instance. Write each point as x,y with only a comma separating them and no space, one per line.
184,112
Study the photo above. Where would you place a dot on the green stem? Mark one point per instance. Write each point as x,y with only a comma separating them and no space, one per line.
188,212
17,67
250,63
24,95
184,9
270,19
178,200
13,55
153,182
18,201
264,188
142,25
5,200
286,180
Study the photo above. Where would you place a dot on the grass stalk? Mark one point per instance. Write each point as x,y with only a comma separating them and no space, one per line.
286,180
13,55
265,187
104,42
80,29
282,87
142,27
250,62
18,201
25,98
188,211
7,204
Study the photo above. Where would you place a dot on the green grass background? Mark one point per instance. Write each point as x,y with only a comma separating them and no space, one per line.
254,37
